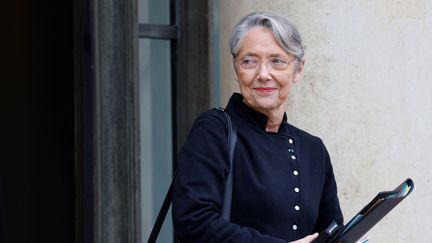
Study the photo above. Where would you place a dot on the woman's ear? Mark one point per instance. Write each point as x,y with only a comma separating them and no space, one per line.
235,75
235,71
299,71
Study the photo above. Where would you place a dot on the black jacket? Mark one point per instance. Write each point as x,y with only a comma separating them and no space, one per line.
284,186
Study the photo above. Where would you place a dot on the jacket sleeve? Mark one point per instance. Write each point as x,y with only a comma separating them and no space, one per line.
329,208
199,187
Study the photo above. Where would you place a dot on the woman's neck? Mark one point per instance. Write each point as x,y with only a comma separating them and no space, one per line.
274,120
274,116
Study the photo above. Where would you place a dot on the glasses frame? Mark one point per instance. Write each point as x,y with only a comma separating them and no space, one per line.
257,68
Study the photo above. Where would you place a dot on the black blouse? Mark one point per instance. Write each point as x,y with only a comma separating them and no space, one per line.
283,187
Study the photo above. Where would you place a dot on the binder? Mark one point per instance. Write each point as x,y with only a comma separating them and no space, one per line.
333,229
368,217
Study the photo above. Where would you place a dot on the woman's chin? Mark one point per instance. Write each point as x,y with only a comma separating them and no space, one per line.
267,104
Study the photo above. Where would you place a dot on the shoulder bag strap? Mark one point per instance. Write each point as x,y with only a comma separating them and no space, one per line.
232,141
226,210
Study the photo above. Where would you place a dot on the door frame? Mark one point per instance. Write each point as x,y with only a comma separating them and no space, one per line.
107,162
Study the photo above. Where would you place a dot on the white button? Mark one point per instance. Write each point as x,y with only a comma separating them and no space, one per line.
290,140
295,172
293,157
294,227
296,189
297,208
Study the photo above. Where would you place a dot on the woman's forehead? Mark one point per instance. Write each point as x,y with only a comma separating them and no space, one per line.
259,41
267,54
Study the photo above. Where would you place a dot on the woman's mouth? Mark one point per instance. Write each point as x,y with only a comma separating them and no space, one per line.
265,89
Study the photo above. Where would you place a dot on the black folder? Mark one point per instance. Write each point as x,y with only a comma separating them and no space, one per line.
370,215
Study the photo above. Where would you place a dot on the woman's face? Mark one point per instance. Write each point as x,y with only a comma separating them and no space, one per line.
265,72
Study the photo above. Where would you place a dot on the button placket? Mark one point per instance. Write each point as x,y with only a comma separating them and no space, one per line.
295,173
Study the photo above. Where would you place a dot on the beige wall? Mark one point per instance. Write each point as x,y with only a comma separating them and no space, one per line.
367,93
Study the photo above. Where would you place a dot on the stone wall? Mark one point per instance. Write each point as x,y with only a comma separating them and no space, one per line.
367,92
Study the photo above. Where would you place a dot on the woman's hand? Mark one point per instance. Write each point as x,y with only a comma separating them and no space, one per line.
307,239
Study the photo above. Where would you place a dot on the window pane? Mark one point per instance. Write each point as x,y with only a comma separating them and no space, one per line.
154,12
156,132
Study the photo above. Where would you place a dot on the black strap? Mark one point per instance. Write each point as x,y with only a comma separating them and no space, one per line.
232,141
162,213
226,210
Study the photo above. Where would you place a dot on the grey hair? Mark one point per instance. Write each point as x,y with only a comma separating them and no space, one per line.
284,31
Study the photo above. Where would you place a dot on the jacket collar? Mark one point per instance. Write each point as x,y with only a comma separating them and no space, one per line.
249,115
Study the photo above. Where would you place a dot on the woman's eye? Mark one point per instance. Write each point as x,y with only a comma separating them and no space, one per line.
249,62
278,61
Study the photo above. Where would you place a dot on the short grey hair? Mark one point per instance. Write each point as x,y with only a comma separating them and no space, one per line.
284,31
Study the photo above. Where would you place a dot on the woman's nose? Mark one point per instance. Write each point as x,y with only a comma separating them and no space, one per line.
263,72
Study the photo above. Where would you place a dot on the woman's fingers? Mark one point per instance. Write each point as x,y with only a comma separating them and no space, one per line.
307,239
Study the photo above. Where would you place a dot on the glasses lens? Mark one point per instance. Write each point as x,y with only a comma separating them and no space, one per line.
278,63
252,64
249,63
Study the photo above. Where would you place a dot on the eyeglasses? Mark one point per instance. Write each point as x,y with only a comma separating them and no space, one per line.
251,65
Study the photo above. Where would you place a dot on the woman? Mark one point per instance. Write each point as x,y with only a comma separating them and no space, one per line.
284,189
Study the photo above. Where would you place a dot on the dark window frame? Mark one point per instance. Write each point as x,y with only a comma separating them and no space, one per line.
107,125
